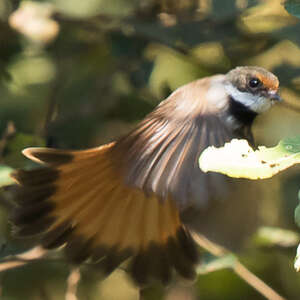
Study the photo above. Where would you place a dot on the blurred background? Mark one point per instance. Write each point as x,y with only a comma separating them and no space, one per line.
76,74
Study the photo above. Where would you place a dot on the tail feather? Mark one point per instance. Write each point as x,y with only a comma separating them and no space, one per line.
56,237
79,199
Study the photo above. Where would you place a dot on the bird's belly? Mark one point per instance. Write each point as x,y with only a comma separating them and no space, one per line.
231,213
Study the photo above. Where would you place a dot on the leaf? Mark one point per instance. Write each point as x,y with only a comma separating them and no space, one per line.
297,260
273,236
34,21
183,68
265,17
293,7
5,178
237,159
215,264
89,8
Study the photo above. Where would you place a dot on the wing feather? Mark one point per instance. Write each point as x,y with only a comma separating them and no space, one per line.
167,164
123,199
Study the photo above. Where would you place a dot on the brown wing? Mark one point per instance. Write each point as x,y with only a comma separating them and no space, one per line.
79,200
161,155
106,203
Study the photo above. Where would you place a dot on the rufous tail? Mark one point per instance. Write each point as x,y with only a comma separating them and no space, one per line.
78,199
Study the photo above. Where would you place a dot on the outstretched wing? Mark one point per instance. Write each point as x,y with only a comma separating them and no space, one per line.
161,155
79,200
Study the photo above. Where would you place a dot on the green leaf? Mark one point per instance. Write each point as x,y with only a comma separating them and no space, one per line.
90,8
293,7
165,59
274,236
5,178
297,260
215,264
237,159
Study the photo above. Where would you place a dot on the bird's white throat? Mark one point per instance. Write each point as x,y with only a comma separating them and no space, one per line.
256,103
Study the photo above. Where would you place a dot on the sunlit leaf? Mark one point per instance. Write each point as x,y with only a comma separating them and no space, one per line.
34,21
238,159
274,236
89,8
297,260
31,70
267,16
5,178
184,70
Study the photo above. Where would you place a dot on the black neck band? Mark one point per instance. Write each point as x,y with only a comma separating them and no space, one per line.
241,112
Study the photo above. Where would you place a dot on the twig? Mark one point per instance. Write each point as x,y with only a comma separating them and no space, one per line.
22,259
72,284
33,255
238,268
38,253
12,264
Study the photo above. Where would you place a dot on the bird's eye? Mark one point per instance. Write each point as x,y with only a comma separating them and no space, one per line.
254,82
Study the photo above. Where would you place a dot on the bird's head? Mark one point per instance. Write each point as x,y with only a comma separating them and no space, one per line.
253,87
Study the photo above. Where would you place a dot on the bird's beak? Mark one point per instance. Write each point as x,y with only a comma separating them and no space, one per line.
275,97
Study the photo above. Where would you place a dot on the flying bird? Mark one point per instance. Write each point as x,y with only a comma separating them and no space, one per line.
125,199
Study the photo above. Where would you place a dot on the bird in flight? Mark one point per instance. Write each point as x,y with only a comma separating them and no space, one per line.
125,199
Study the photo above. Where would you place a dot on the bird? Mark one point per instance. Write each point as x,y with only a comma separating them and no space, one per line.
124,201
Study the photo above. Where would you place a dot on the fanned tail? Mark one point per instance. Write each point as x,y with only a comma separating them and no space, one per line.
79,200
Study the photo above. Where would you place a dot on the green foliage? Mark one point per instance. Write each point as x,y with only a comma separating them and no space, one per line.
76,74
5,178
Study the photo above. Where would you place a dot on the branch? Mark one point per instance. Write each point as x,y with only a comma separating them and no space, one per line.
238,268
38,253
72,284
22,259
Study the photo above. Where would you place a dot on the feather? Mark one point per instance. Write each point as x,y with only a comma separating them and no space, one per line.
161,155
167,163
95,215
124,199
